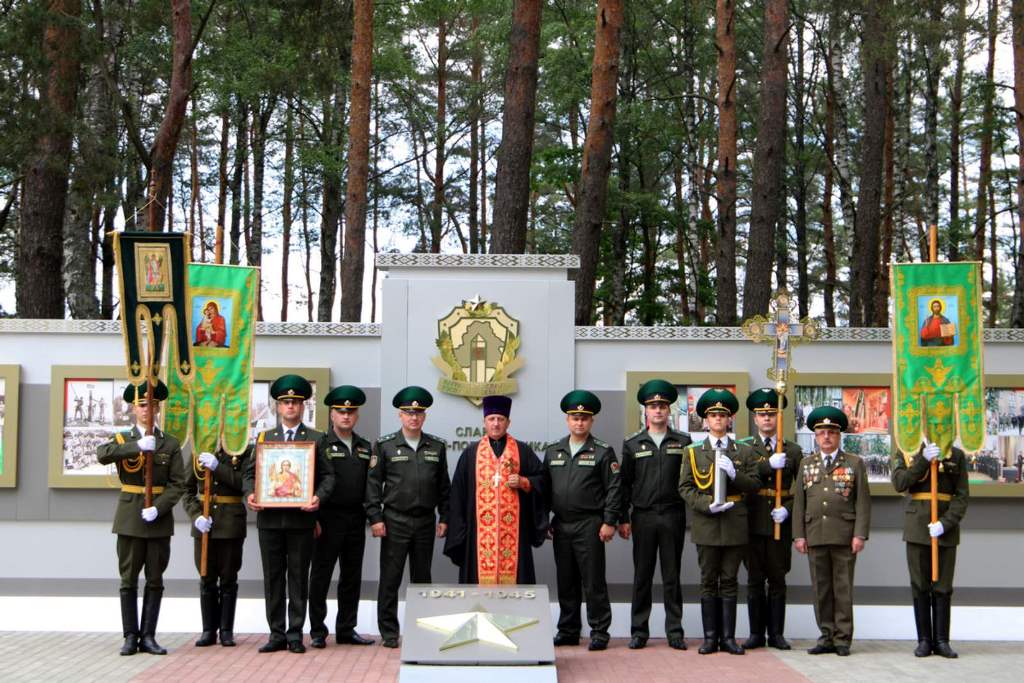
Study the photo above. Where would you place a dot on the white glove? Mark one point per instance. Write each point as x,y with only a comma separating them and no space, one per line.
936,529
715,508
780,515
777,461
209,461
931,451
723,462
149,514
204,524
147,443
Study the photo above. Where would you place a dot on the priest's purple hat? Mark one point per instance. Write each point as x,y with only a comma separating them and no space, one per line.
497,405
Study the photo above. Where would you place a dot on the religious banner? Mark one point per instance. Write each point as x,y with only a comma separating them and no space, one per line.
153,269
938,372
214,411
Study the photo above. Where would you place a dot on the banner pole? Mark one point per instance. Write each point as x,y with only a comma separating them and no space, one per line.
933,248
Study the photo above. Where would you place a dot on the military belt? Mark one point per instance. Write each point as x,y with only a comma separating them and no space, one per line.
733,499
217,498
770,493
945,497
132,488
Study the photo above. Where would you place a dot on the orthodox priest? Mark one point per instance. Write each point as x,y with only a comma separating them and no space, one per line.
496,512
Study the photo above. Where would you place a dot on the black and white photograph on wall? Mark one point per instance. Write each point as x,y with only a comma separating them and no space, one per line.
1001,459
263,409
93,412
868,410
3,414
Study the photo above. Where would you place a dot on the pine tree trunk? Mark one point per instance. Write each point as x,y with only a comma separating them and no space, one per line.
725,260
933,64
440,138
1017,14
987,124
475,110
955,118
882,288
512,182
331,214
681,242
286,206
800,173
241,152
222,192
597,155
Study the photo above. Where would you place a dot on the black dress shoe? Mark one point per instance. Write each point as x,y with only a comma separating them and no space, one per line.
274,646
822,650
390,642
319,642
563,640
677,643
296,647
637,643
149,645
779,643
131,645
354,639
227,638
207,638
596,645
843,650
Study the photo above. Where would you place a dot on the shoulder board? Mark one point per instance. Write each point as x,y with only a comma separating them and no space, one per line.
431,436
120,438
598,442
261,437
550,445
635,434
746,440
385,437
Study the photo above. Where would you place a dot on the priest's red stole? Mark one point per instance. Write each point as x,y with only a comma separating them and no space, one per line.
497,514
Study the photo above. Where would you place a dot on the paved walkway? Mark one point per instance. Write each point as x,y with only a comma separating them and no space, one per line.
93,657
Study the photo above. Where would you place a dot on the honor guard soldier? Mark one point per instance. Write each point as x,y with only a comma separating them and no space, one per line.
144,533
226,526
932,600
341,521
407,489
582,480
286,534
720,530
654,513
831,518
767,560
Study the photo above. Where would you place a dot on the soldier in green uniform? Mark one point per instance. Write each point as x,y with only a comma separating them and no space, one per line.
581,476
143,533
831,519
767,560
720,530
226,526
932,600
286,534
407,482
341,521
653,513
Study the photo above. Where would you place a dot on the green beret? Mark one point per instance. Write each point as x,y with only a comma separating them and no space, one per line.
765,401
159,393
717,401
580,402
657,390
345,396
290,386
412,398
827,417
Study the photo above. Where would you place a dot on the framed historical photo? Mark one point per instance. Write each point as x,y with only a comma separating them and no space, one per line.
284,473
997,469
10,381
683,413
263,409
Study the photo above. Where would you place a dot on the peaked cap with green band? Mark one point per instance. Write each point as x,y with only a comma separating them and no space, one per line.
717,401
580,402
291,386
765,401
413,398
345,396
130,391
657,391
827,417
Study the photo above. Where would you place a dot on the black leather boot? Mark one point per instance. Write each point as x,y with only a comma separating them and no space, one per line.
130,621
727,623
757,605
228,598
777,622
923,621
941,606
209,606
150,615
709,615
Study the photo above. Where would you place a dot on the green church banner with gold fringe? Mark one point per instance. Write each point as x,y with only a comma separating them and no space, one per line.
214,411
938,369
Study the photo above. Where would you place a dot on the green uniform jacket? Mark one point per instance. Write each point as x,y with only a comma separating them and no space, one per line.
760,505
650,475
831,507
585,484
407,481
168,471
724,528
952,481
229,519
289,518
350,469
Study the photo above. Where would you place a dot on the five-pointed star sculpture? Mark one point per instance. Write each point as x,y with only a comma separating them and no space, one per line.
478,626
473,303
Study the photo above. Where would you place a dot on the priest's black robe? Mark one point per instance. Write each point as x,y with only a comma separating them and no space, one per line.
460,543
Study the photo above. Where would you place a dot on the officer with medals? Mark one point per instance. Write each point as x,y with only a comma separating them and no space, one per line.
341,521
143,533
286,534
720,530
407,482
932,600
226,526
831,519
581,477
768,561
653,512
